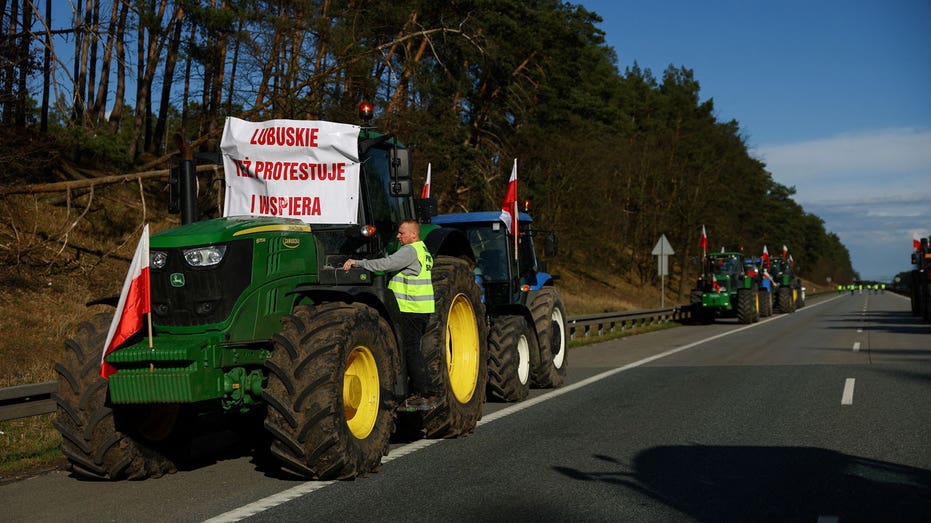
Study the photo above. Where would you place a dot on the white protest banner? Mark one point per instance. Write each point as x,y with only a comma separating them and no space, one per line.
291,168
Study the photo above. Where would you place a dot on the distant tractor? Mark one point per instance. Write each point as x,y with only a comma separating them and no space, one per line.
528,338
726,289
789,293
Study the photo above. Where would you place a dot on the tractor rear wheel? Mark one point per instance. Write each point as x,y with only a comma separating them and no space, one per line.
549,317
748,305
510,346
102,441
330,377
766,303
455,346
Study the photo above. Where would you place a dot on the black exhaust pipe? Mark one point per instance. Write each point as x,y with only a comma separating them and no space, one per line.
183,184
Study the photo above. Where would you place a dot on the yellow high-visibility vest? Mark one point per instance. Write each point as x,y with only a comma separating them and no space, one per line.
415,293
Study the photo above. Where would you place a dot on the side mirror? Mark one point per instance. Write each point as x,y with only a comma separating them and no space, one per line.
401,163
402,188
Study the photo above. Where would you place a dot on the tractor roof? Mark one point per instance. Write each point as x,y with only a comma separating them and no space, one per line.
476,217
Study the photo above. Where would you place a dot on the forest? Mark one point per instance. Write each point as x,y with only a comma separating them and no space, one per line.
610,159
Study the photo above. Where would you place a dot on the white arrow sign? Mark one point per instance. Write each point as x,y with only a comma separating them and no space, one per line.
662,251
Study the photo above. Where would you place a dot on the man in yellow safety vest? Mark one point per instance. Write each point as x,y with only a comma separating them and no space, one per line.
412,285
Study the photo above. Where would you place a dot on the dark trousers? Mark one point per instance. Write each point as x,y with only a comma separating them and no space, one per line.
413,326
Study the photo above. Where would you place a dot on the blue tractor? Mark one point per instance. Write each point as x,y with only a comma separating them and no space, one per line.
528,338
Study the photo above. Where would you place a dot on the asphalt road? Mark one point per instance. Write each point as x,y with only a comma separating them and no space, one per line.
820,415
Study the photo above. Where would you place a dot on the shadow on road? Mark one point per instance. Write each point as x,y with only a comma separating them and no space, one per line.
723,483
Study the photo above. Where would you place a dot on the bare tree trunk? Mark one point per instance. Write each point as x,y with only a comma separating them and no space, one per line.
171,59
46,67
116,115
81,59
145,75
233,65
94,44
103,88
25,66
6,97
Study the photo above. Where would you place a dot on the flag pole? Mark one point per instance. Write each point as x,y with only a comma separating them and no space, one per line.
517,222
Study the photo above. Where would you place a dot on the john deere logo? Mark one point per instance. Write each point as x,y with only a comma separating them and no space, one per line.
291,243
177,279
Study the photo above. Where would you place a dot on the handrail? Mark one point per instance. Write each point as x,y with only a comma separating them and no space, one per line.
23,401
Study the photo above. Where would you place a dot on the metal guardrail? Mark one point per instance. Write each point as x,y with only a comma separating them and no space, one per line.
35,399
602,324
24,401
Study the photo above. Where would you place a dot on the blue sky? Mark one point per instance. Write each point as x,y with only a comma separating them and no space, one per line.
834,96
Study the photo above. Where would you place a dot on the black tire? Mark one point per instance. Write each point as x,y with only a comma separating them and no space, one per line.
510,346
748,305
455,346
784,299
766,304
549,318
99,440
331,375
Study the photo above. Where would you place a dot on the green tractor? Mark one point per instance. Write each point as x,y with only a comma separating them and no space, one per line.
788,295
726,289
528,340
255,324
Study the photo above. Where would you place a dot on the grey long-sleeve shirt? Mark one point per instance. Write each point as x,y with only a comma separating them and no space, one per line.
404,260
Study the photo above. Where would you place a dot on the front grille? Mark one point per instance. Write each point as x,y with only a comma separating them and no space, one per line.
207,295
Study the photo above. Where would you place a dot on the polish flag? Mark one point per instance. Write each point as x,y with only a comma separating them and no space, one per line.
509,206
135,302
785,250
916,241
425,193
765,256
703,243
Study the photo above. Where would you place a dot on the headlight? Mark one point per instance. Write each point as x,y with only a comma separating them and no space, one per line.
204,256
158,259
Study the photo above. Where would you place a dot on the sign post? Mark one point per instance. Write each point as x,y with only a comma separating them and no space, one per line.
662,251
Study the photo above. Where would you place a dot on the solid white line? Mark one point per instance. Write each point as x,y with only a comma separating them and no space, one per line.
847,397
856,346
306,488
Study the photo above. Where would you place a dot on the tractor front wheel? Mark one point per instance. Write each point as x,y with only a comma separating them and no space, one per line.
102,441
748,305
510,347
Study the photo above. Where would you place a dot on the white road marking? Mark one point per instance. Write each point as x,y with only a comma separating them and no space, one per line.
847,397
280,498
856,346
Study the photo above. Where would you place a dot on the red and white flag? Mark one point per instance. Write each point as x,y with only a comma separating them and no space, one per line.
425,193
703,242
785,250
765,256
509,206
135,303
916,241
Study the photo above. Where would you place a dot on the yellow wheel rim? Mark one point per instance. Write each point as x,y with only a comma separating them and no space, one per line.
361,392
462,348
